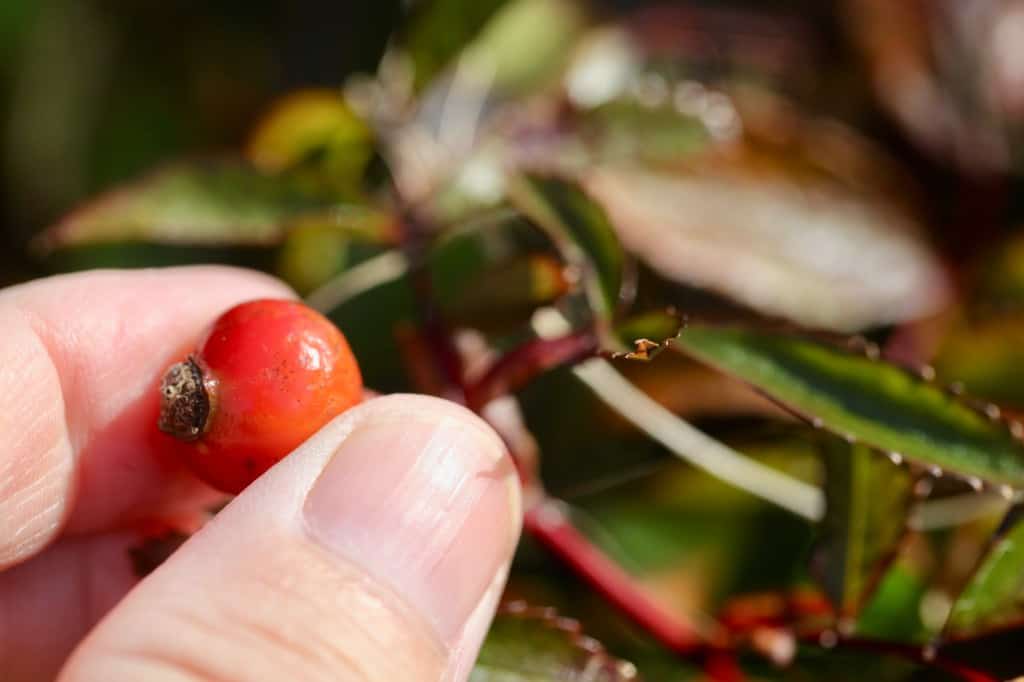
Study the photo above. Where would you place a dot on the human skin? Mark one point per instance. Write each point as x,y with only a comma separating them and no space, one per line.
376,551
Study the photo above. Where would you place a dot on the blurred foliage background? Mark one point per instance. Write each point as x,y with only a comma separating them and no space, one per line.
93,92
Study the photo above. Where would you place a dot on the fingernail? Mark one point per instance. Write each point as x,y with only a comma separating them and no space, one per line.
423,502
464,657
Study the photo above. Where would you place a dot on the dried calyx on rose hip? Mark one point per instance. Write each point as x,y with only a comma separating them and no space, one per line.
267,376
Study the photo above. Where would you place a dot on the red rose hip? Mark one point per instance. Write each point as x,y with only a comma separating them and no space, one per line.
267,376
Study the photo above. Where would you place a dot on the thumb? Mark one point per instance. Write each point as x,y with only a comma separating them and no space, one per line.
377,551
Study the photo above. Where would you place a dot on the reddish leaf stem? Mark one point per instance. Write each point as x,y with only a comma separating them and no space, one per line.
748,612
721,666
549,525
447,355
516,368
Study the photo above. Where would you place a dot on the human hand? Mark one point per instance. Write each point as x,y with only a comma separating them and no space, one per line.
377,551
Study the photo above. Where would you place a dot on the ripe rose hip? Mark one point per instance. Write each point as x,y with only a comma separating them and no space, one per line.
267,376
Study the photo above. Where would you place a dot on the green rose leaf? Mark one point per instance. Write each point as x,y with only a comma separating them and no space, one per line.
882,405
867,501
528,644
580,227
206,203
994,597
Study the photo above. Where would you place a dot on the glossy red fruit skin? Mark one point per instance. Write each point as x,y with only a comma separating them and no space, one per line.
275,371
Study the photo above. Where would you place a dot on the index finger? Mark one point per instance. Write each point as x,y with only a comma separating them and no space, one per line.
81,357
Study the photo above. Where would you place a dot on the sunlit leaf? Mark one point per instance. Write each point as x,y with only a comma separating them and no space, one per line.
311,255
533,645
316,129
894,612
581,229
438,30
625,130
134,254
913,600
785,246
994,598
867,501
318,246
525,44
201,203
852,395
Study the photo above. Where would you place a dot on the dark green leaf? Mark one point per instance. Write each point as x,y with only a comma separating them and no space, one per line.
867,501
507,292
818,664
894,610
994,598
533,645
537,578
852,395
581,229
202,203
371,303
493,271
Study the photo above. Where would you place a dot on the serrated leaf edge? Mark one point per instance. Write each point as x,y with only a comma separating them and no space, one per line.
858,345
598,658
